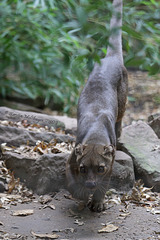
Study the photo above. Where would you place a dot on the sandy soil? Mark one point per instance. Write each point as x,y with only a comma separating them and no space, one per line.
133,223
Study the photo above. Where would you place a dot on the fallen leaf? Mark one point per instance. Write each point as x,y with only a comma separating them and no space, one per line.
124,215
25,212
4,122
108,229
78,222
46,235
9,196
50,206
116,200
44,199
40,150
155,211
12,183
136,196
4,147
55,150
145,189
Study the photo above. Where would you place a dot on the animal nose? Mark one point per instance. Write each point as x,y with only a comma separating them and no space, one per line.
90,184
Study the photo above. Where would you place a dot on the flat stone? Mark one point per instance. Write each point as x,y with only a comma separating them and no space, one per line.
43,175
68,121
154,123
70,124
142,144
14,136
47,173
31,117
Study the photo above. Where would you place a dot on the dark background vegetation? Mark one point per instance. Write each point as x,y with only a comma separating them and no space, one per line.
48,47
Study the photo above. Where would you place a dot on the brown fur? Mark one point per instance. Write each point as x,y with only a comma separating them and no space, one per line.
97,162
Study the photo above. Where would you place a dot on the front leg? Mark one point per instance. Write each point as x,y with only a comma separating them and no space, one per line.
97,203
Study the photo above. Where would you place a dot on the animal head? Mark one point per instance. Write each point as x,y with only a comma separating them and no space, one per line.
94,164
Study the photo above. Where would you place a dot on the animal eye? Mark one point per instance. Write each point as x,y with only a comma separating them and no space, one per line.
82,169
101,169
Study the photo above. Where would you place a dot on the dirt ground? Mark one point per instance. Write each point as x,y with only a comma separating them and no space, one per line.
143,96
62,220
59,217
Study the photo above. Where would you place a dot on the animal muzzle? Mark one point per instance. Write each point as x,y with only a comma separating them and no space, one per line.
90,184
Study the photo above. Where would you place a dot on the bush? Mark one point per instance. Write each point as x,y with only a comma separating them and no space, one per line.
48,47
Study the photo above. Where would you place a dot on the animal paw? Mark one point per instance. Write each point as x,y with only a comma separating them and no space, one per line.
96,206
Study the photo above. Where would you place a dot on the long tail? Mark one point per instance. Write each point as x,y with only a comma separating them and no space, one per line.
115,40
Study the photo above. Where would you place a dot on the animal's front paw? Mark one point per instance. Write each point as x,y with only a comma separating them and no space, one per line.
97,206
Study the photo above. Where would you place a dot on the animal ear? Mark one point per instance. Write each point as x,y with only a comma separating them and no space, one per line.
79,149
109,149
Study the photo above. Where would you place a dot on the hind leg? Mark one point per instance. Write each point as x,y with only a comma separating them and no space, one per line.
122,91
118,129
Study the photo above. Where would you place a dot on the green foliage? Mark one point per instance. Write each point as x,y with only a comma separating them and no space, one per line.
142,35
48,47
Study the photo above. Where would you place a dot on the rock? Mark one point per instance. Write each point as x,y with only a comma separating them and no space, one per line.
14,136
41,119
70,124
2,187
43,175
17,136
143,145
154,123
47,173
19,106
123,177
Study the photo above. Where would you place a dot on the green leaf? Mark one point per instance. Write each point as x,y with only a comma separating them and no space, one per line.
154,69
135,62
81,15
132,32
49,47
